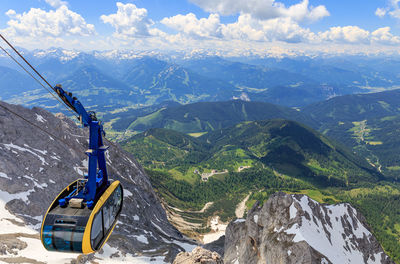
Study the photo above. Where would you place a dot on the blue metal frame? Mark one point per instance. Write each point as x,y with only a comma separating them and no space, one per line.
97,177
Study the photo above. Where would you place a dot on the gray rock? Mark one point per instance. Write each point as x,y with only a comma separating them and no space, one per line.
297,229
198,255
217,246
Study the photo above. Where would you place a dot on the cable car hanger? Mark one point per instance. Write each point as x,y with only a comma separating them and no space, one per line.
82,217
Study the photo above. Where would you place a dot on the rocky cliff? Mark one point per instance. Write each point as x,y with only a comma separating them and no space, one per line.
35,166
297,229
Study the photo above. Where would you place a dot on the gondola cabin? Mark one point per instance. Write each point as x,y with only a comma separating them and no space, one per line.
76,228
82,217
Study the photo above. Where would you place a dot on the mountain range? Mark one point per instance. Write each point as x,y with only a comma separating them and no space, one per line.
151,79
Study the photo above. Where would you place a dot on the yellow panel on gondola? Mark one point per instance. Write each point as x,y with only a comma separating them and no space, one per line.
81,230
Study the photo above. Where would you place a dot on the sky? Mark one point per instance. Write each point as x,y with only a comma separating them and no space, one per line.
233,27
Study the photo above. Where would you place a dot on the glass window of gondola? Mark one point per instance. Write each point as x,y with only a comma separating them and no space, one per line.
97,230
117,201
107,214
111,209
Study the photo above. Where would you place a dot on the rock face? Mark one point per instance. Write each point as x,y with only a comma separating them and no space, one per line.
35,166
297,229
198,255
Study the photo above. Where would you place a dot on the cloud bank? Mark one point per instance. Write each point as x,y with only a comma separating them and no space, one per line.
258,24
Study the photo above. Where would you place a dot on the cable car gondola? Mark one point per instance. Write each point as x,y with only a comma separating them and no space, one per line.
82,217
79,229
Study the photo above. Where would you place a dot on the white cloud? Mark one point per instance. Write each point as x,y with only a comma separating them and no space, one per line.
356,35
383,36
56,3
380,12
350,34
245,28
284,29
302,11
190,25
264,9
55,23
392,9
259,20
129,21
278,29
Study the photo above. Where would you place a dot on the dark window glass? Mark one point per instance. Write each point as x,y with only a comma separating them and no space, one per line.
107,214
97,230
63,238
117,201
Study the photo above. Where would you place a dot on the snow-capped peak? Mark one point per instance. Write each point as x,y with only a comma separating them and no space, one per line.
296,229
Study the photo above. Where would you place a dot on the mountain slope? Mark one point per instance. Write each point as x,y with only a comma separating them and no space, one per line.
209,116
14,82
349,73
99,91
367,122
161,81
355,107
35,166
241,74
284,144
96,90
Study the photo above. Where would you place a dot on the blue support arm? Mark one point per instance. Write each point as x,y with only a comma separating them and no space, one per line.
74,104
97,179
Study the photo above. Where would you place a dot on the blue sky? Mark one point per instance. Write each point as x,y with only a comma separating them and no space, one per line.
243,25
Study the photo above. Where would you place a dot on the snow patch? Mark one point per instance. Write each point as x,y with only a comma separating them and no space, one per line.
12,146
40,118
127,193
255,219
35,183
142,239
292,211
6,197
3,175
